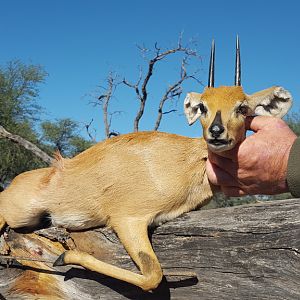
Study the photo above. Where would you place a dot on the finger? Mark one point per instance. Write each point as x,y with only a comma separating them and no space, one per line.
227,164
232,191
257,123
248,122
217,176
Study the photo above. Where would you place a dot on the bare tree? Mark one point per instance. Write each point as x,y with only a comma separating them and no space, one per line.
141,86
173,91
104,99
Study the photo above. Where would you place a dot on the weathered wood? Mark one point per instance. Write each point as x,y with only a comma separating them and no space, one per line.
243,252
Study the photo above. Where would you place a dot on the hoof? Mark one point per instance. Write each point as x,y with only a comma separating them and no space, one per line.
60,261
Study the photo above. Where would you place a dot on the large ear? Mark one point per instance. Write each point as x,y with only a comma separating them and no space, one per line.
275,101
192,109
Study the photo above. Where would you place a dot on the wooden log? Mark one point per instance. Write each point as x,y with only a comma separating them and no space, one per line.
242,252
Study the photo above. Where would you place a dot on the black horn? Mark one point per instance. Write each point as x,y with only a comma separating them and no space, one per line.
237,79
211,76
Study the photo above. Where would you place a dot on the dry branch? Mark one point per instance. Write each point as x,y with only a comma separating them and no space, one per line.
243,252
87,128
141,86
104,100
26,144
173,91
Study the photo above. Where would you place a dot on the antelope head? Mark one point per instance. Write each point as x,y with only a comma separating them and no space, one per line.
222,111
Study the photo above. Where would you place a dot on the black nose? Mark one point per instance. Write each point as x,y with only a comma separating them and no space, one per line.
216,130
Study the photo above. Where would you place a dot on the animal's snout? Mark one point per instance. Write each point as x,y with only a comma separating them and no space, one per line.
216,130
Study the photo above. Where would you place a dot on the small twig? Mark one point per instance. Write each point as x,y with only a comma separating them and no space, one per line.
87,127
170,111
9,258
180,274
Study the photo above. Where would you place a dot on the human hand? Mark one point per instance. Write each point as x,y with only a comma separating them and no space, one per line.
259,164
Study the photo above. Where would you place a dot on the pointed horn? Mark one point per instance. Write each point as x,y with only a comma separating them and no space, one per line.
237,80
211,76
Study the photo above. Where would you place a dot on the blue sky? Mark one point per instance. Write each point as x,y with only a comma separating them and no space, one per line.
80,42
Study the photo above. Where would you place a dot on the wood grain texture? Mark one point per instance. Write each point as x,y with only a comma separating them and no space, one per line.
243,252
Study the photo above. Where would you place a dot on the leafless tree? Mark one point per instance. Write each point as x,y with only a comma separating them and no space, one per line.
141,86
104,99
173,91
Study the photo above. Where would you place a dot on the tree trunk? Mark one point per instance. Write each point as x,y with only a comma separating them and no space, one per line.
243,252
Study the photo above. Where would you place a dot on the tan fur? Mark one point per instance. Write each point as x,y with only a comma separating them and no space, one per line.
230,97
128,182
274,101
33,285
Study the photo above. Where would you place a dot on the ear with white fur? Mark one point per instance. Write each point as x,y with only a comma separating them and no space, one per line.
275,101
192,104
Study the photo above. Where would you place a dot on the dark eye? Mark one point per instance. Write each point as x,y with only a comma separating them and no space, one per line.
203,108
243,110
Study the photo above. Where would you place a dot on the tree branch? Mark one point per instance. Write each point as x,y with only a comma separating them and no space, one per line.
87,127
174,90
26,144
105,99
141,87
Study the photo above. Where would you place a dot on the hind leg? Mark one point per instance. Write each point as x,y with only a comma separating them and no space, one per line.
20,212
134,236
2,223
